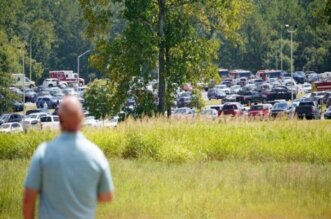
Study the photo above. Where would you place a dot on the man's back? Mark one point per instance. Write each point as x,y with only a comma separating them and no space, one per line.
69,172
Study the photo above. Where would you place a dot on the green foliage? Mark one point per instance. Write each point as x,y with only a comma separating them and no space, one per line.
174,37
54,29
97,99
261,35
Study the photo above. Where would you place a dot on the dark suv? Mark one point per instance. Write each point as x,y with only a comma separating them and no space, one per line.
50,101
308,109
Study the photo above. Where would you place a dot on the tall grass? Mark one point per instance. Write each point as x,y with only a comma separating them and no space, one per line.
227,189
196,140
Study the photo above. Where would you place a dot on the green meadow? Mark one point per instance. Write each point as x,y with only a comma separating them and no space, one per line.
197,169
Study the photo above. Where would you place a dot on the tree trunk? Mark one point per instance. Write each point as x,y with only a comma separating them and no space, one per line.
162,88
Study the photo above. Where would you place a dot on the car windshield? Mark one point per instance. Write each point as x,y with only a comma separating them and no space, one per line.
5,117
257,107
32,116
207,112
229,107
280,106
5,126
306,104
180,111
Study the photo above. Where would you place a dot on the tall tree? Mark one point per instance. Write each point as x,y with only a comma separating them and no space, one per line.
170,36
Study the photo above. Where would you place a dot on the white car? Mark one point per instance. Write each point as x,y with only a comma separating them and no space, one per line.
91,121
183,112
33,119
81,90
223,88
307,88
49,122
209,113
11,127
51,82
235,89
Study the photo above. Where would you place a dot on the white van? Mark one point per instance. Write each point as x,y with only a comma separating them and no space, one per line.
18,81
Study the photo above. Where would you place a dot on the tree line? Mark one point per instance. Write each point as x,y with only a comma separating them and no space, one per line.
169,40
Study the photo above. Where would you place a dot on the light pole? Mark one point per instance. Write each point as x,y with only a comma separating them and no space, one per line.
87,51
30,58
291,31
281,50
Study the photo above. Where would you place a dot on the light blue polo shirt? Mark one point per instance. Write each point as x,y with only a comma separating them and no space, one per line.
69,172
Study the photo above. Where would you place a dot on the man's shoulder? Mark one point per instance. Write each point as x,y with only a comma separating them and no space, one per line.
93,150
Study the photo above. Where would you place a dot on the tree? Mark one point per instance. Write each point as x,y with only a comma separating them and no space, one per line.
174,37
97,99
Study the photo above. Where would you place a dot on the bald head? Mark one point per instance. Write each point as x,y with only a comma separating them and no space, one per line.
71,114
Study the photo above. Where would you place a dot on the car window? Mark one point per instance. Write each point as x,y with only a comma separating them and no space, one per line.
258,107
280,106
46,119
306,104
230,107
56,118
15,125
5,126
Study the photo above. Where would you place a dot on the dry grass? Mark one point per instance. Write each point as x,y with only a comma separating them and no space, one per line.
213,189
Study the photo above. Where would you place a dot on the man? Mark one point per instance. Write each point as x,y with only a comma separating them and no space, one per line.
70,173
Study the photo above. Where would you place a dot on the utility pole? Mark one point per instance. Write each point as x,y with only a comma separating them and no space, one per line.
281,50
287,26
87,51
30,59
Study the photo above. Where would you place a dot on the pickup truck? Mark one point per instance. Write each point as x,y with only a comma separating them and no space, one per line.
308,109
279,92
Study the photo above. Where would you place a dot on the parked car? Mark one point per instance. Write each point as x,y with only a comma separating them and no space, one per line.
247,97
49,122
281,108
183,112
308,109
260,110
17,106
91,121
33,119
327,114
51,82
306,88
233,108
299,77
224,88
214,93
184,100
36,111
218,108
7,118
30,95
50,101
279,92
209,113
11,127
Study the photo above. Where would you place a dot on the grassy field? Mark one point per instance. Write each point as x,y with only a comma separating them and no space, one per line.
198,169
191,140
228,189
